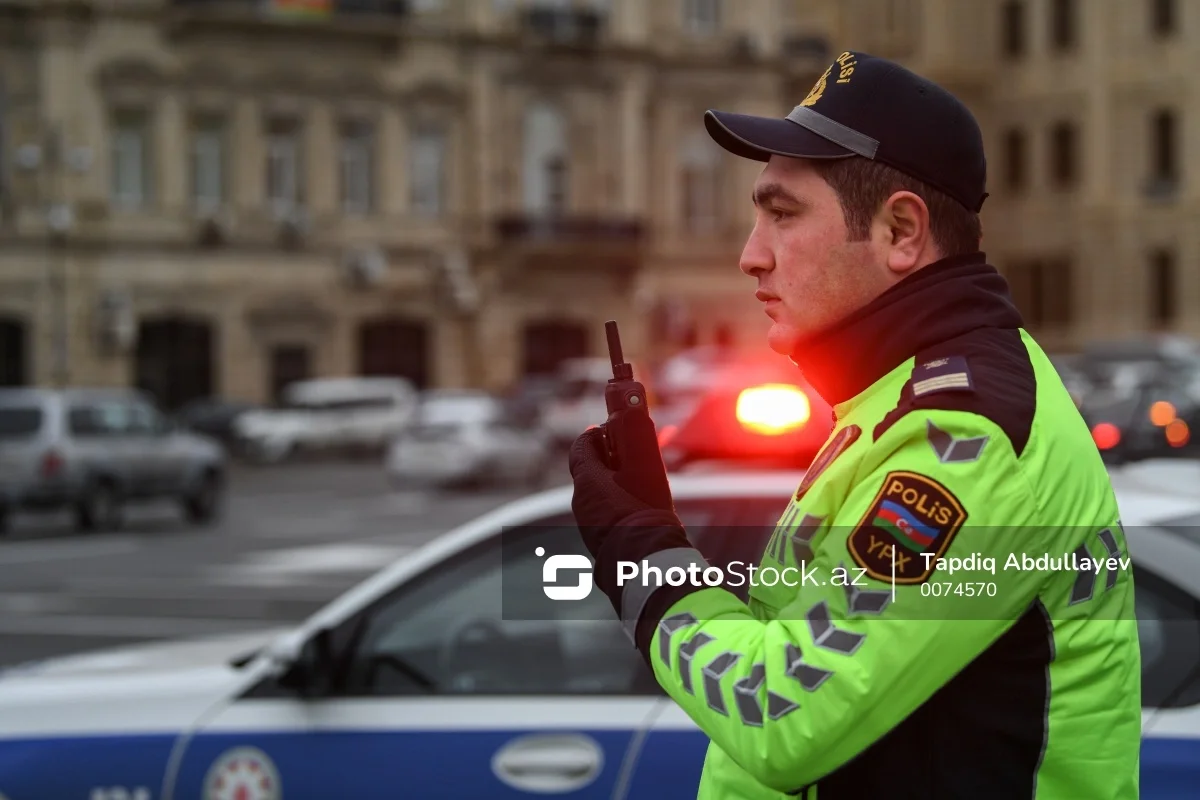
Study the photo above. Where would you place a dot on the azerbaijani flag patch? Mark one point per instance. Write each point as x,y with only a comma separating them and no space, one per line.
904,525
912,515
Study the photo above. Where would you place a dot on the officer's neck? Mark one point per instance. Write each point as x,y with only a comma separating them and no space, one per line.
937,303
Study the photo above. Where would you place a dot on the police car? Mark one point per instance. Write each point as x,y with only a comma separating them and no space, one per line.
427,680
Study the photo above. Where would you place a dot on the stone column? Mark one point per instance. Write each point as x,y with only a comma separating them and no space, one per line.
393,164
321,161
248,156
634,145
169,156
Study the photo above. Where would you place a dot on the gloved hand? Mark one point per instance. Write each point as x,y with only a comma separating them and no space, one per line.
635,491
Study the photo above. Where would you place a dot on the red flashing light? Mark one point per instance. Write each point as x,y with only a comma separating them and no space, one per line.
773,409
1106,435
667,434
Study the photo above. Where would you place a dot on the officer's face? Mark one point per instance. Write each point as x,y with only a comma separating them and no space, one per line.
809,275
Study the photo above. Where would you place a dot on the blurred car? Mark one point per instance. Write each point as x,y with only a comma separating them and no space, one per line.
532,395
1123,365
468,438
430,680
214,417
579,401
328,414
94,450
1157,418
754,411
1073,377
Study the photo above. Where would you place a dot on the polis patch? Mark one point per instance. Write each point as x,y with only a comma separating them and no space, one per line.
838,445
912,515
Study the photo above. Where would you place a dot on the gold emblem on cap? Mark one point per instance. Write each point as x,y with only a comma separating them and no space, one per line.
817,90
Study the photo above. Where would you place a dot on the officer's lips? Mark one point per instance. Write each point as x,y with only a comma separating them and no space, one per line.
767,299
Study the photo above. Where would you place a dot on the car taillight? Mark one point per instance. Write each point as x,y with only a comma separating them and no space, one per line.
52,464
1177,433
773,409
1106,435
1162,414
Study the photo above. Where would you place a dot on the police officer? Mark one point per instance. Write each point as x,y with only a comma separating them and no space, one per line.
945,608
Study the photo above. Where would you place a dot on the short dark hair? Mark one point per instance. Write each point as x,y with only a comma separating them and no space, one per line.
862,186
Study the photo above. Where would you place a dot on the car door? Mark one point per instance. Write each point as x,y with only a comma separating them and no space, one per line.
1169,632
450,686
169,450
100,430
144,447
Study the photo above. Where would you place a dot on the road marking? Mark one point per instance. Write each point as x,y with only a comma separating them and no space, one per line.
116,589
126,627
281,567
33,603
35,552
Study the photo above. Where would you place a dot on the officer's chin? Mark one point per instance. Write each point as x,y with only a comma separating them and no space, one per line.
783,338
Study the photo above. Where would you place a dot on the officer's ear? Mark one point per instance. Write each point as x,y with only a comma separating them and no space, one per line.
904,222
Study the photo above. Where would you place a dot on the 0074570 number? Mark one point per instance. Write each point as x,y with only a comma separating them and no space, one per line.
956,589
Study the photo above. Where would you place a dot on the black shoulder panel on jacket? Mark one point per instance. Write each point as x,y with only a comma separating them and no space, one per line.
1003,387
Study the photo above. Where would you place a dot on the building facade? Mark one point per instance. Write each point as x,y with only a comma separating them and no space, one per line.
218,197
1086,107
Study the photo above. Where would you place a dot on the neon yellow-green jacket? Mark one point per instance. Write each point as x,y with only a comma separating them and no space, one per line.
879,666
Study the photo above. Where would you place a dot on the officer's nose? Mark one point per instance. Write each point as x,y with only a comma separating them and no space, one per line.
756,255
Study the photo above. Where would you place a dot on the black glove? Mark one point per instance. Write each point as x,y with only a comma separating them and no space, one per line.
636,491
625,511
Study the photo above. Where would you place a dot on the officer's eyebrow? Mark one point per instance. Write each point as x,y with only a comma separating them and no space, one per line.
772,193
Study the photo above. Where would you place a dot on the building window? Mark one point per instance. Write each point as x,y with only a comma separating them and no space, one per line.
356,166
1012,28
130,159
208,163
1042,290
700,162
702,16
1015,156
284,184
546,180
428,170
1063,28
1064,148
1162,17
1162,287
1164,144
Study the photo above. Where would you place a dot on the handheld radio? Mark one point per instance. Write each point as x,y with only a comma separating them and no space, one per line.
622,393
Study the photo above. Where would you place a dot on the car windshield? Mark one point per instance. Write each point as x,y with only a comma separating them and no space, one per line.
19,422
467,408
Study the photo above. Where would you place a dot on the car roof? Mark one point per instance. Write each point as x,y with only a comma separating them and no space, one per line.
80,393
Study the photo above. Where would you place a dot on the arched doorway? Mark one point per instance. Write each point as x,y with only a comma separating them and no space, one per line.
14,341
175,360
547,344
394,347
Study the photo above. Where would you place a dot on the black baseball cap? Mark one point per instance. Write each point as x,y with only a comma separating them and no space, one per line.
871,107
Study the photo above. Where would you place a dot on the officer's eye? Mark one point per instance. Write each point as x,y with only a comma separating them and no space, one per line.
779,215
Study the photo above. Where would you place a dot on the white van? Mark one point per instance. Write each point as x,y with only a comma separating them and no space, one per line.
329,413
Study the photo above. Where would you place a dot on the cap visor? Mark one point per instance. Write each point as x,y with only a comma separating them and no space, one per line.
759,138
